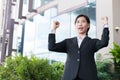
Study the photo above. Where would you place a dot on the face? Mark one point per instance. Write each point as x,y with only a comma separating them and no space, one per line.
81,25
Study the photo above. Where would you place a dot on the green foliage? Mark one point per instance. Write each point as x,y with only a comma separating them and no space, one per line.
11,69
57,70
22,68
103,68
115,51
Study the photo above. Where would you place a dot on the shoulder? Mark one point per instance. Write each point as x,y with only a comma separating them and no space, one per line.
71,39
93,40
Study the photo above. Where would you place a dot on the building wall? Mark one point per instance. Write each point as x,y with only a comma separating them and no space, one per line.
104,8
116,20
111,9
1,15
2,8
108,8
70,5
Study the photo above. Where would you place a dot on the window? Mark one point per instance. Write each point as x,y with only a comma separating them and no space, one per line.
25,7
36,34
38,3
38,28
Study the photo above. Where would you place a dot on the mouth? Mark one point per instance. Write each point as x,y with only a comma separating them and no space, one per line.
81,28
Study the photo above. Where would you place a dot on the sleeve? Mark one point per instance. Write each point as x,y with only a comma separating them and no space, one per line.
57,47
104,40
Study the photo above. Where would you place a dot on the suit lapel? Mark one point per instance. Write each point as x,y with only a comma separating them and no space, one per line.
82,44
84,41
75,43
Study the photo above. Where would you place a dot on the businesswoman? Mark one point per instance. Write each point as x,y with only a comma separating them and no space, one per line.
80,63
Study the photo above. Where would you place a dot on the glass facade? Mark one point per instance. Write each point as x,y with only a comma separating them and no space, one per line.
38,3
38,28
25,7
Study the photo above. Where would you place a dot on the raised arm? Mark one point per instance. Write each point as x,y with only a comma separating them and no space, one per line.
52,45
105,35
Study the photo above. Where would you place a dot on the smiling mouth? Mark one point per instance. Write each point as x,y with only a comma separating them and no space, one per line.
80,28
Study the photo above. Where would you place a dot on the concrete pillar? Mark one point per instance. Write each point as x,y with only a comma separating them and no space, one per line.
10,44
104,8
6,26
111,9
116,21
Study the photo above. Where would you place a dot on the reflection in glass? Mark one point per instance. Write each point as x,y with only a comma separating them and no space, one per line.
36,34
17,38
90,11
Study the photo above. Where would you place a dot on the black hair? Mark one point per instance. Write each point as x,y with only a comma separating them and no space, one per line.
87,19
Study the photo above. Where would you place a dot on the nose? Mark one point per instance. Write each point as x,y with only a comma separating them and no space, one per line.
79,23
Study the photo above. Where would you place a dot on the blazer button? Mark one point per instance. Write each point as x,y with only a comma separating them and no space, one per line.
78,52
78,60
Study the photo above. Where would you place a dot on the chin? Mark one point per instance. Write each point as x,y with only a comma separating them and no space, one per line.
81,32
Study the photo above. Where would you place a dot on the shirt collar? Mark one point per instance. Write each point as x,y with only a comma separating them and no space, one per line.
82,37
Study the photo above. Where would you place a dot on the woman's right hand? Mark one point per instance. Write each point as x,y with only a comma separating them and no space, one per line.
56,24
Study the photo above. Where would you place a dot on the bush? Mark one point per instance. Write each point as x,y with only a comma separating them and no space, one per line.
115,51
57,70
104,72
22,68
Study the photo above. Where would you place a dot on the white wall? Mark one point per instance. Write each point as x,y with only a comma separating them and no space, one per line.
104,8
110,8
1,14
68,5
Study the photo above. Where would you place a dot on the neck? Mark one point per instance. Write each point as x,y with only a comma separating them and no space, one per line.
81,35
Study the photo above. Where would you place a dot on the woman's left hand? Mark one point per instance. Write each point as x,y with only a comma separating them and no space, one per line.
104,20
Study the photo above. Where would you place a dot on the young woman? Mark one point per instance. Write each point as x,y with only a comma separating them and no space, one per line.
80,63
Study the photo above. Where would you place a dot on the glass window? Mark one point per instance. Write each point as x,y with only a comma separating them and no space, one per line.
36,34
90,11
25,7
29,37
64,30
62,33
38,28
38,3
17,37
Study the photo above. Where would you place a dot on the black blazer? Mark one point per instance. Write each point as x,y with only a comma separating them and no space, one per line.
80,61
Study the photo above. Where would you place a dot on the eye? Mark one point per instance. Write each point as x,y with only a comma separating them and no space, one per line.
78,22
84,21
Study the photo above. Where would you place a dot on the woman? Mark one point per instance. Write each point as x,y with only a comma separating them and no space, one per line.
80,63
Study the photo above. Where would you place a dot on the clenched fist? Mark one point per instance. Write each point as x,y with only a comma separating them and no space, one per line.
104,20
56,24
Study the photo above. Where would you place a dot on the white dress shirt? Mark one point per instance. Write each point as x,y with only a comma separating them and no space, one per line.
79,40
